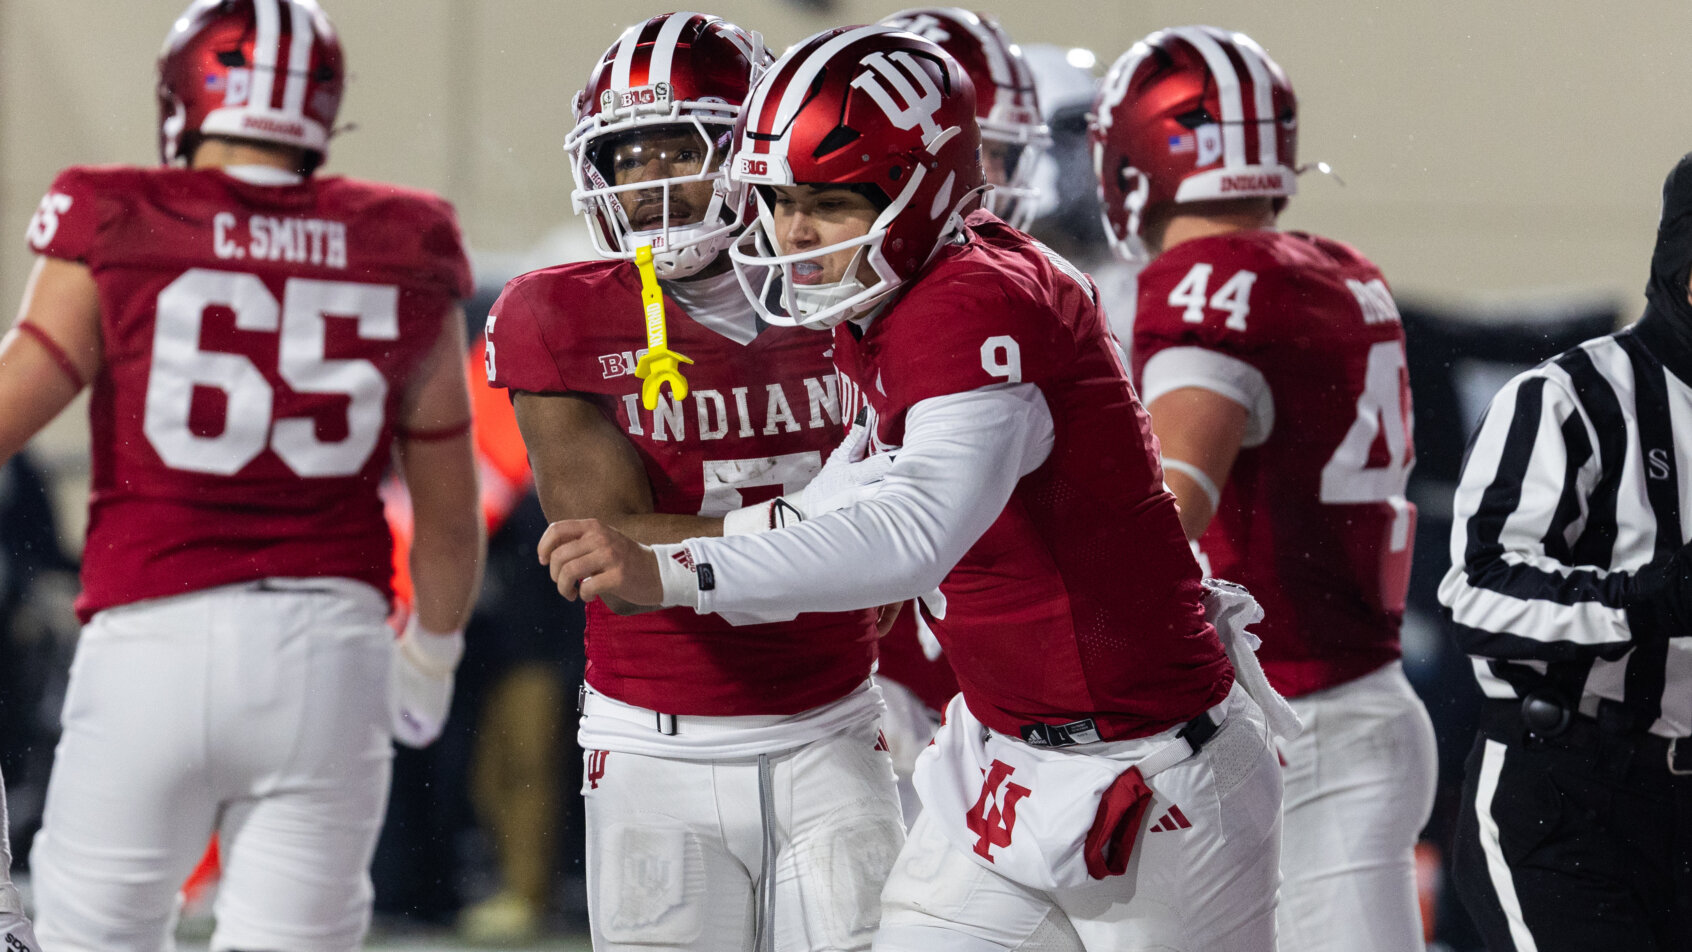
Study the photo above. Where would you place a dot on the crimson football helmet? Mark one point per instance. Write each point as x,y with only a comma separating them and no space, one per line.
1191,114
874,109
266,70
1006,106
682,78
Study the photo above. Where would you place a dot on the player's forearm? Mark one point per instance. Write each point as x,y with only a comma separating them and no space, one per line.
651,528
961,461
449,539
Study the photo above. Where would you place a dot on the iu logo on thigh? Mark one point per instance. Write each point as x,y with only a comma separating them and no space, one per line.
595,768
994,814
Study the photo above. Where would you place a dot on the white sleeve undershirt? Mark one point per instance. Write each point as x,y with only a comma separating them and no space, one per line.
1221,374
962,458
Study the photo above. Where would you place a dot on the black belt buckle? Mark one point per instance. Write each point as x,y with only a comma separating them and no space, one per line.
1199,731
1083,731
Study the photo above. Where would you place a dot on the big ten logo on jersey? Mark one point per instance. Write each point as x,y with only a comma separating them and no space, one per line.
993,818
175,422
915,88
657,94
44,224
1375,300
1232,298
612,366
317,241
741,412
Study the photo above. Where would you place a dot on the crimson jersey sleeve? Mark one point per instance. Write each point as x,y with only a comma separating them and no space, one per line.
518,355
67,220
442,247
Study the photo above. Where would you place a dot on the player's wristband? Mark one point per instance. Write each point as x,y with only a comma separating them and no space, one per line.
774,514
678,575
433,653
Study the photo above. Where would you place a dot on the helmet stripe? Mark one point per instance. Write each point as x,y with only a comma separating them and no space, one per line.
626,46
664,50
268,20
803,73
1227,89
1262,69
300,41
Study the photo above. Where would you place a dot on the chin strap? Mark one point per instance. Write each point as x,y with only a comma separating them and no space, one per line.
659,365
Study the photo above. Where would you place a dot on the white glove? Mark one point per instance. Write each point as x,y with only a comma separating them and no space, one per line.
420,683
849,475
16,934
1230,608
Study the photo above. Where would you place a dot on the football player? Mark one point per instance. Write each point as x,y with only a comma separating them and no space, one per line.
256,337
915,677
1273,366
1017,476
737,791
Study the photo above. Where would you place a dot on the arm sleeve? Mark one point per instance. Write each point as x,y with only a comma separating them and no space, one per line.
1212,370
962,458
1530,472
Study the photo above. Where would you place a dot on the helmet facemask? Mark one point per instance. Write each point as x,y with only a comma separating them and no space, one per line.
686,229
775,281
1021,144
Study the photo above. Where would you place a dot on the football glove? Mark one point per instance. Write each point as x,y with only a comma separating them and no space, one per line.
849,475
420,683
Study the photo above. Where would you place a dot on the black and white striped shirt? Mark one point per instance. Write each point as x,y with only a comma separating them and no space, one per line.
1572,483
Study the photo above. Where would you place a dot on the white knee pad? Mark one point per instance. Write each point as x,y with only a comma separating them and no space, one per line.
651,885
840,874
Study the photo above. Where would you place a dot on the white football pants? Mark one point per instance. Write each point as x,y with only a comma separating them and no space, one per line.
675,847
1359,787
909,726
1201,879
255,711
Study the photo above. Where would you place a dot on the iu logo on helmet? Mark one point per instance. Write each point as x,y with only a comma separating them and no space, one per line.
994,815
911,82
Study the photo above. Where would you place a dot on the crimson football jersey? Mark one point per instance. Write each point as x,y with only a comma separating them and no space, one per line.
1313,518
758,421
257,342
1082,600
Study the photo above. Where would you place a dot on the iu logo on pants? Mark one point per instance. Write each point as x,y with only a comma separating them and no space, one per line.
596,768
994,815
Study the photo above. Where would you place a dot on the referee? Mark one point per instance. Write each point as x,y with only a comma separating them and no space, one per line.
1571,587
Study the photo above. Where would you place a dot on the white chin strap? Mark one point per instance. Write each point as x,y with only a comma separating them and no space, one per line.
813,299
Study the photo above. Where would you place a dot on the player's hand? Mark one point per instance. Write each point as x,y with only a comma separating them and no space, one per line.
589,559
885,616
420,678
850,474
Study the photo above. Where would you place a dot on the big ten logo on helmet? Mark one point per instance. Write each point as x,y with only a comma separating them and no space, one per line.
742,412
912,83
761,169
657,94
